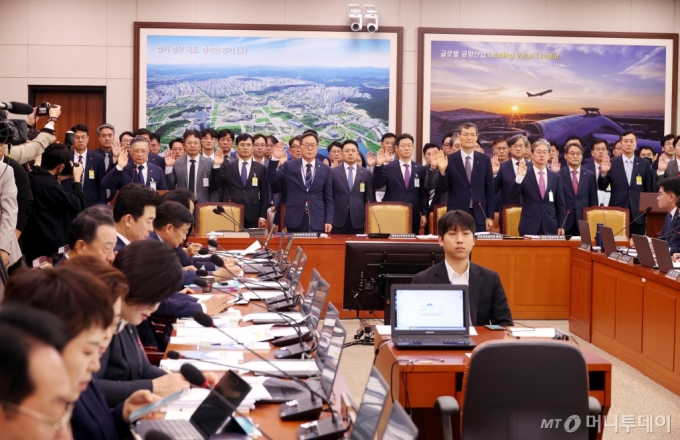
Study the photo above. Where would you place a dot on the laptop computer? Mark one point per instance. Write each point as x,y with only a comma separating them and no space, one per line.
399,425
584,232
211,416
434,316
663,256
608,241
372,404
643,251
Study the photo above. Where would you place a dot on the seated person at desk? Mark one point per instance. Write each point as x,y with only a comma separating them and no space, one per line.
488,303
133,212
668,198
92,233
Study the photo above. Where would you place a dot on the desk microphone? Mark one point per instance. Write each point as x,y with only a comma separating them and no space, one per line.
565,219
219,210
219,262
157,435
203,251
213,243
669,233
647,211
197,379
302,409
604,217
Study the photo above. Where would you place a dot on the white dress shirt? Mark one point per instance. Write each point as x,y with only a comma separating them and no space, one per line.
211,157
123,238
571,174
145,171
519,178
76,155
249,164
455,278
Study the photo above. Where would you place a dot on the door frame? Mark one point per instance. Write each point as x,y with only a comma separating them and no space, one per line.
33,89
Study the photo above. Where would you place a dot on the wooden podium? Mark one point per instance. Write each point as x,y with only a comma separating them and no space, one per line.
656,217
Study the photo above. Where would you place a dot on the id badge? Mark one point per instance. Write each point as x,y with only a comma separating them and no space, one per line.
254,181
206,182
638,179
91,174
416,182
550,196
152,184
362,187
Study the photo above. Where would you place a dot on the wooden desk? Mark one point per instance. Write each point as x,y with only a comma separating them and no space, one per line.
426,382
534,273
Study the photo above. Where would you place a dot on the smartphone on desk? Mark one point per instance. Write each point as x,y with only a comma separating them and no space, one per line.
153,407
494,327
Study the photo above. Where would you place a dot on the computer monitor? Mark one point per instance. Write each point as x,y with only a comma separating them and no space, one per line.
643,250
316,306
608,241
584,232
306,304
326,334
332,361
372,406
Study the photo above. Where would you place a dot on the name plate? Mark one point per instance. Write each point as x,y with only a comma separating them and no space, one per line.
673,274
489,237
615,256
627,259
585,247
553,237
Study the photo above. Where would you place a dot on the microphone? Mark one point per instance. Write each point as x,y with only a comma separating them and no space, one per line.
213,243
203,251
18,108
565,219
375,217
219,210
302,409
219,262
197,379
669,233
604,217
647,211
157,435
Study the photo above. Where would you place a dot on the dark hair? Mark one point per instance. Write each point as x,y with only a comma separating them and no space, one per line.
310,133
447,135
154,136
80,127
260,135
334,144
401,137
71,293
209,131
142,132
86,225
113,278
309,130
188,133
242,137
599,141
55,155
573,137
668,137
498,141
149,286
559,149
671,185
126,133
180,140
387,136
626,133
23,329
273,139
132,199
645,147
172,213
468,125
225,132
181,196
569,146
293,139
140,140
350,142
455,219
429,146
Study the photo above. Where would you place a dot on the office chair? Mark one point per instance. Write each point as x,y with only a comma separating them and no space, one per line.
511,216
207,220
515,390
438,212
611,216
388,217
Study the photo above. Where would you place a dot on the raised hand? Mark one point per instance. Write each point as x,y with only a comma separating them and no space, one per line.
522,168
123,158
326,162
370,159
169,159
495,165
219,157
443,162
555,165
606,166
116,149
279,151
77,173
380,157
663,163
54,111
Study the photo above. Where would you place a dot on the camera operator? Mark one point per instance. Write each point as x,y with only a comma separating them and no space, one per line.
24,195
47,227
28,151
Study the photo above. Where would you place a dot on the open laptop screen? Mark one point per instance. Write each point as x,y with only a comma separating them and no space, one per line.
212,413
417,309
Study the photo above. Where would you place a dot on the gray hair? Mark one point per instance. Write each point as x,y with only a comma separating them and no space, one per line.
467,125
514,139
103,126
139,139
538,143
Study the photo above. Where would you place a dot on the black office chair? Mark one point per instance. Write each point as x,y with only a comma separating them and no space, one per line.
515,390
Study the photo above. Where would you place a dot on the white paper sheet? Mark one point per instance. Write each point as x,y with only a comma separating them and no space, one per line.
535,333
293,316
288,367
174,365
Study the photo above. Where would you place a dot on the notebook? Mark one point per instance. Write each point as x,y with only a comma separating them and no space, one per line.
663,256
643,251
433,316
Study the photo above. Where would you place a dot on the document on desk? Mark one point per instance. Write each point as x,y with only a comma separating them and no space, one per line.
174,365
290,316
223,356
289,367
261,285
260,294
524,332
250,333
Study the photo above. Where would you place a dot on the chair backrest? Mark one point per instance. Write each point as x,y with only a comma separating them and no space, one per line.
547,380
207,220
511,216
611,216
438,212
393,218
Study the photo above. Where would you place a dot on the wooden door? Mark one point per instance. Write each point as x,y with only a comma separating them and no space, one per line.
77,107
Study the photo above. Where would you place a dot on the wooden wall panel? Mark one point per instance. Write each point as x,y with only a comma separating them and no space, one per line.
604,302
629,295
580,297
658,330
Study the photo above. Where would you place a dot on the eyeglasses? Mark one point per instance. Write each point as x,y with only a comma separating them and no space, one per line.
574,153
305,145
600,149
80,138
183,231
56,424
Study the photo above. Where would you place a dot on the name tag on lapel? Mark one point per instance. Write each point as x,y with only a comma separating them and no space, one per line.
90,174
254,181
362,187
152,184
206,182
550,196
416,182
638,179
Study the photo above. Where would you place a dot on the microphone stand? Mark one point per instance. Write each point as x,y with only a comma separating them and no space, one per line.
379,234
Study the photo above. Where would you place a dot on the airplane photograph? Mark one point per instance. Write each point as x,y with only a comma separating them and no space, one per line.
532,95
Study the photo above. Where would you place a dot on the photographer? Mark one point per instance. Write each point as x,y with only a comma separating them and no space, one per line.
23,195
47,227
28,151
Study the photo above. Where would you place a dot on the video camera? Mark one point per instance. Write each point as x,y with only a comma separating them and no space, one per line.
14,131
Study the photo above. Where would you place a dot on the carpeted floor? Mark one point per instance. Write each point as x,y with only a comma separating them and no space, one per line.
632,392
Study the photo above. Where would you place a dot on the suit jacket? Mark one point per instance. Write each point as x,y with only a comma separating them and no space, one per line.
9,210
120,244
47,227
101,152
671,171
125,368
352,203
586,197
480,188
92,418
295,195
255,199
671,232
488,303
116,179
179,177
537,211
504,181
94,192
156,160
189,275
390,177
626,194
24,195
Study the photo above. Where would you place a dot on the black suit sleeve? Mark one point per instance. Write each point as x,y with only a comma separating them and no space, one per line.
101,191
379,177
264,193
424,194
370,190
490,190
560,205
592,193
432,179
500,311
24,195
603,181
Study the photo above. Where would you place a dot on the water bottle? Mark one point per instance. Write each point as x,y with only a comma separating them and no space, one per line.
598,237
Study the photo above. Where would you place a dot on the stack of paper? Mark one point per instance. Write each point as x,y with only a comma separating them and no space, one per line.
532,333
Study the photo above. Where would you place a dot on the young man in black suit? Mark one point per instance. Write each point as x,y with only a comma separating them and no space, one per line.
93,169
244,181
352,188
488,303
579,187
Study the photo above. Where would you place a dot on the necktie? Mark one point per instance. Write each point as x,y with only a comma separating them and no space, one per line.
106,167
80,161
468,168
541,184
574,181
244,174
629,169
667,225
407,175
308,176
192,176
350,178
140,176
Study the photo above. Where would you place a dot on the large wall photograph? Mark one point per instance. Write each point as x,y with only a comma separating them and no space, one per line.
548,86
344,85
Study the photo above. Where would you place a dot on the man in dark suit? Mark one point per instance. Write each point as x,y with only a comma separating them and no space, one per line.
154,147
579,186
133,213
94,170
93,234
434,195
467,176
404,180
244,181
138,171
505,177
307,188
543,208
488,303
668,198
352,188
599,149
628,176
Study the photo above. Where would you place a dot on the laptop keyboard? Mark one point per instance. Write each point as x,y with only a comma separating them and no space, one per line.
457,340
178,429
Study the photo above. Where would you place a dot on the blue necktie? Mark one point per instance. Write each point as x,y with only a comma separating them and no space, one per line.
308,176
350,178
244,174
140,176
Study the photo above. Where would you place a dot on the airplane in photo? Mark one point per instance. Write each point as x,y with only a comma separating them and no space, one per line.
530,95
